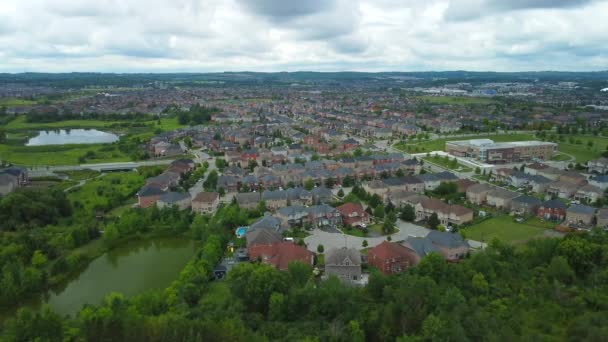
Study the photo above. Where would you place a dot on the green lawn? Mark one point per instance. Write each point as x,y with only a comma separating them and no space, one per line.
107,192
19,123
12,102
354,232
61,154
439,144
560,157
456,100
447,164
505,228
582,152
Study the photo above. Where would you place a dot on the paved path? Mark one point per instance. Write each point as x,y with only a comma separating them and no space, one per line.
337,240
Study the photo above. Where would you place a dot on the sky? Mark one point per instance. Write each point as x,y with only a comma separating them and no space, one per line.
311,35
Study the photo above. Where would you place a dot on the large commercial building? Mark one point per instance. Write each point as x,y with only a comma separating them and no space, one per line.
488,151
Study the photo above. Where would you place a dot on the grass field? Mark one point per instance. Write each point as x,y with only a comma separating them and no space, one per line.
582,152
107,192
11,102
60,154
456,100
19,123
439,144
506,229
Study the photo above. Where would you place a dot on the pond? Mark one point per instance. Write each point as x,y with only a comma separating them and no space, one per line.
72,136
130,269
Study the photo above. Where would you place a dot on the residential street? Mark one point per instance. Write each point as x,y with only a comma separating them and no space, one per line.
338,240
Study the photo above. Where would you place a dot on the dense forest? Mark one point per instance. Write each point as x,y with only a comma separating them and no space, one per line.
548,289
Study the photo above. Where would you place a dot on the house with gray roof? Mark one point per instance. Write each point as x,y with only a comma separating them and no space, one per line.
422,246
267,222
525,205
262,237
580,216
344,263
451,245
321,195
248,200
181,200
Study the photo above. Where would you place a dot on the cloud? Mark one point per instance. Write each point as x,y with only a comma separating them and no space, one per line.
273,35
471,9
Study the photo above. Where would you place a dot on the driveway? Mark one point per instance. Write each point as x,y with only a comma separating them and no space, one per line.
339,240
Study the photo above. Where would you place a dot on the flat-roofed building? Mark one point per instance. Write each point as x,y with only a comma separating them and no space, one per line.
488,151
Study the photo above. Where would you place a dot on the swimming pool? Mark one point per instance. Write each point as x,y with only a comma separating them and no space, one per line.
241,231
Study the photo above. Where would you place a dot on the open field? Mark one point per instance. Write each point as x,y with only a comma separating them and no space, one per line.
506,229
12,102
582,152
19,123
107,192
61,154
439,144
455,100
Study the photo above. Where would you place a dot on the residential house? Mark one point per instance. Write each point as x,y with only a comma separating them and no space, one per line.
324,216
447,214
353,214
477,193
554,210
293,215
344,263
538,183
391,258
248,200
500,198
580,216
321,195
588,193
422,246
275,199
464,184
377,187
267,222
602,218
262,237
525,205
451,245
280,254
562,189
299,196
205,202
599,166
601,181
181,200
148,195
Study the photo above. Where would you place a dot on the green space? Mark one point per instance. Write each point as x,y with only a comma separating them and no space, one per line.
582,151
354,232
62,154
560,157
439,144
13,102
450,164
106,192
455,100
20,123
505,228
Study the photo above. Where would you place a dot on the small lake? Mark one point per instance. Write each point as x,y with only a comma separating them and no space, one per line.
72,136
130,269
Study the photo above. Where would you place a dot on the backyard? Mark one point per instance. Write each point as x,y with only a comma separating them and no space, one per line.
505,228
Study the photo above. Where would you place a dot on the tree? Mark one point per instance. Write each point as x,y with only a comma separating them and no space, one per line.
477,170
340,193
364,243
299,273
433,221
39,259
379,211
408,213
320,249
330,182
309,184
559,269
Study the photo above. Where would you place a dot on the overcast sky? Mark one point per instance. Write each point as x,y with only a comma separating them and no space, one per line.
316,35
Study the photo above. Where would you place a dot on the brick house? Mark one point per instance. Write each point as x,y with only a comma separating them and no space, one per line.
353,214
554,210
391,258
280,254
148,195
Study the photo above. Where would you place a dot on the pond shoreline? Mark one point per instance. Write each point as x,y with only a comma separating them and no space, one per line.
90,252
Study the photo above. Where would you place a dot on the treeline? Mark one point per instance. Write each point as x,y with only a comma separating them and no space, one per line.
27,208
196,115
53,115
548,289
